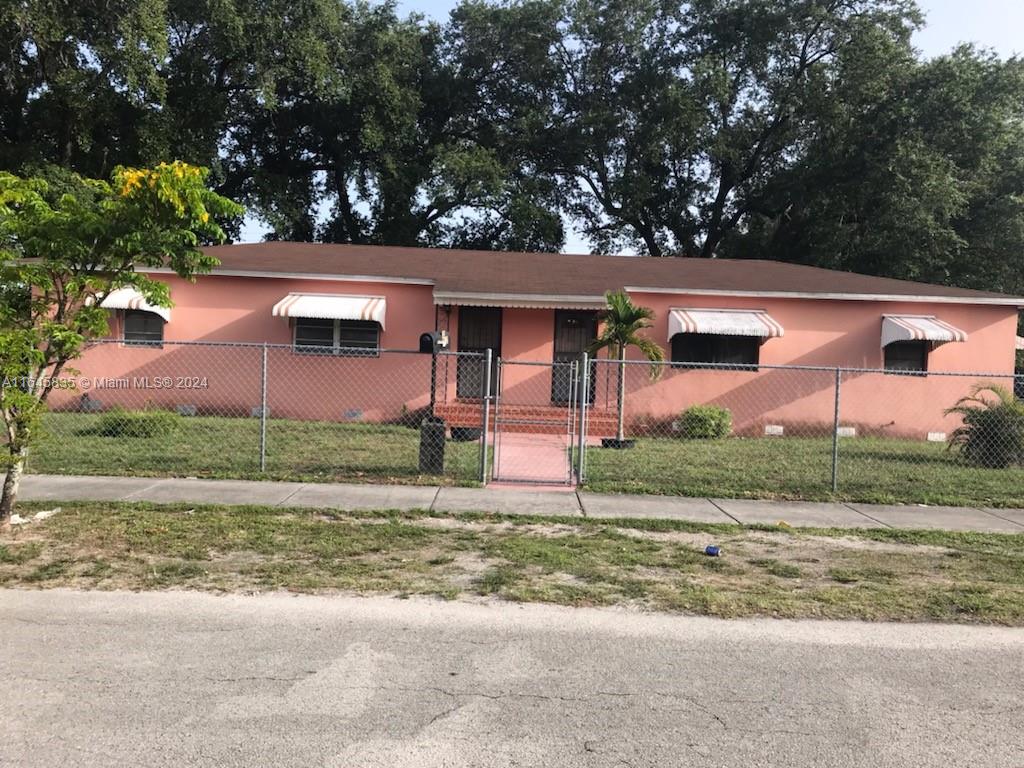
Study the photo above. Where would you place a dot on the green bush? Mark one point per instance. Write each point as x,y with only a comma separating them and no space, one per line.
118,422
992,433
705,422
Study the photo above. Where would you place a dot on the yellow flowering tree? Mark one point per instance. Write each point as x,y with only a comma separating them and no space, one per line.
66,242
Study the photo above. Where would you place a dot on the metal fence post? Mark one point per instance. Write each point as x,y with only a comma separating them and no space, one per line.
835,435
584,398
574,383
485,418
263,411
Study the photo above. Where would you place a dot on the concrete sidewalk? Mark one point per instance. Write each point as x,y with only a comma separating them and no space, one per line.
504,500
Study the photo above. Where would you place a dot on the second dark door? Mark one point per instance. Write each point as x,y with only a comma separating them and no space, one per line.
575,329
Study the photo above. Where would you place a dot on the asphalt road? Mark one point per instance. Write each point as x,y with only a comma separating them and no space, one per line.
173,679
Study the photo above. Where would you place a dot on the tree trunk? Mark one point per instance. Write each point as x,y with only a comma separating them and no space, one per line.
622,392
11,482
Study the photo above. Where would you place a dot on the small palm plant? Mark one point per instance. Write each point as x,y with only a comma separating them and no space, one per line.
992,433
622,323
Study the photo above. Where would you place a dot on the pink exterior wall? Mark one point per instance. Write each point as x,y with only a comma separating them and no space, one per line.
222,308
817,332
527,335
848,333
238,309
822,333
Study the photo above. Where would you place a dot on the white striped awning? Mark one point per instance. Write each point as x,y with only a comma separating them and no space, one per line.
332,306
918,328
723,322
129,298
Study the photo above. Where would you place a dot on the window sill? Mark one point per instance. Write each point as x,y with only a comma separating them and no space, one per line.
897,372
331,352
754,367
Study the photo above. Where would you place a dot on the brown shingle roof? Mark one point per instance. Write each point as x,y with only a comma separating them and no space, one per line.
461,271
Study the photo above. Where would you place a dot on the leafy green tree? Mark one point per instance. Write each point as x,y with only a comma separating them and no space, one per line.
673,115
621,326
424,141
78,81
916,172
67,243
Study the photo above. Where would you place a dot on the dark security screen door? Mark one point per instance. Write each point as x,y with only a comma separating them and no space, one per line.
479,330
574,330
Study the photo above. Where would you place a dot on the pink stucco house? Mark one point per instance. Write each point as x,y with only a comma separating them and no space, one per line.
351,301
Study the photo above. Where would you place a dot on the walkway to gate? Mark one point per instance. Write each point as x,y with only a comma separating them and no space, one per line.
533,419
533,458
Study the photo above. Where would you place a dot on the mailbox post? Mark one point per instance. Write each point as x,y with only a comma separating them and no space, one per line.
432,429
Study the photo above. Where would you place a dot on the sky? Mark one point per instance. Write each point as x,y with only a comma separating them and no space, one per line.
995,24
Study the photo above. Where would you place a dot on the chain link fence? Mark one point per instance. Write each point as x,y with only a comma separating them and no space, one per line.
260,410
805,432
277,411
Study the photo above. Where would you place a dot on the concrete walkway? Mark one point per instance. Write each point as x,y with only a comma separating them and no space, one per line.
504,500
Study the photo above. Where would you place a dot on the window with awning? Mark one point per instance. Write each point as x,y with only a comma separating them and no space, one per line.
907,340
752,323
129,298
719,336
334,323
922,328
330,306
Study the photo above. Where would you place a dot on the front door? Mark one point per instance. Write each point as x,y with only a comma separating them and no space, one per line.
575,329
479,330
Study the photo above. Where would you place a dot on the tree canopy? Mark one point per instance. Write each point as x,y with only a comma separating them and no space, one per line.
801,130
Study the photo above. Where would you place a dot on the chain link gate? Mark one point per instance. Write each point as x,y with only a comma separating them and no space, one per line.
536,422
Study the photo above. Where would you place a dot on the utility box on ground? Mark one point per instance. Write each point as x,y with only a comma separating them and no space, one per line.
432,437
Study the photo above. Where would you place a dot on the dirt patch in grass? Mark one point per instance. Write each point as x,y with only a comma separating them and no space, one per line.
648,565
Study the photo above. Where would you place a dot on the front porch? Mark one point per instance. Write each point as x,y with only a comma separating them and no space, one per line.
535,350
535,419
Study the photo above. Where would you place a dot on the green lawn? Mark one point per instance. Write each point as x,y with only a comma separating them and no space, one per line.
870,470
660,565
225,447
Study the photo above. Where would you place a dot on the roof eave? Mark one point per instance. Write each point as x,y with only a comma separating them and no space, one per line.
519,300
1007,301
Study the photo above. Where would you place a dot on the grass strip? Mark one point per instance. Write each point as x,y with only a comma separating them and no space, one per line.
644,564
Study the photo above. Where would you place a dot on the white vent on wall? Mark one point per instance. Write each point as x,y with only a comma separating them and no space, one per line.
936,437
186,410
776,430
847,431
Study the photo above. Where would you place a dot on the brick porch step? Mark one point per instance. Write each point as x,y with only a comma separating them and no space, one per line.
535,419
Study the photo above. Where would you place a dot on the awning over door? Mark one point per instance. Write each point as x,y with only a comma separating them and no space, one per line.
918,328
129,298
723,322
332,306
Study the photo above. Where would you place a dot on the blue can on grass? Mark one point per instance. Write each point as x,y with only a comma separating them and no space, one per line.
712,551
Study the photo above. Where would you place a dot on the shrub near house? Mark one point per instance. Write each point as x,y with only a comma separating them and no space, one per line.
705,422
992,433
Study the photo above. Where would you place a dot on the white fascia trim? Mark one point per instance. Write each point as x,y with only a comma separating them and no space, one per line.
525,300
298,276
1008,302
